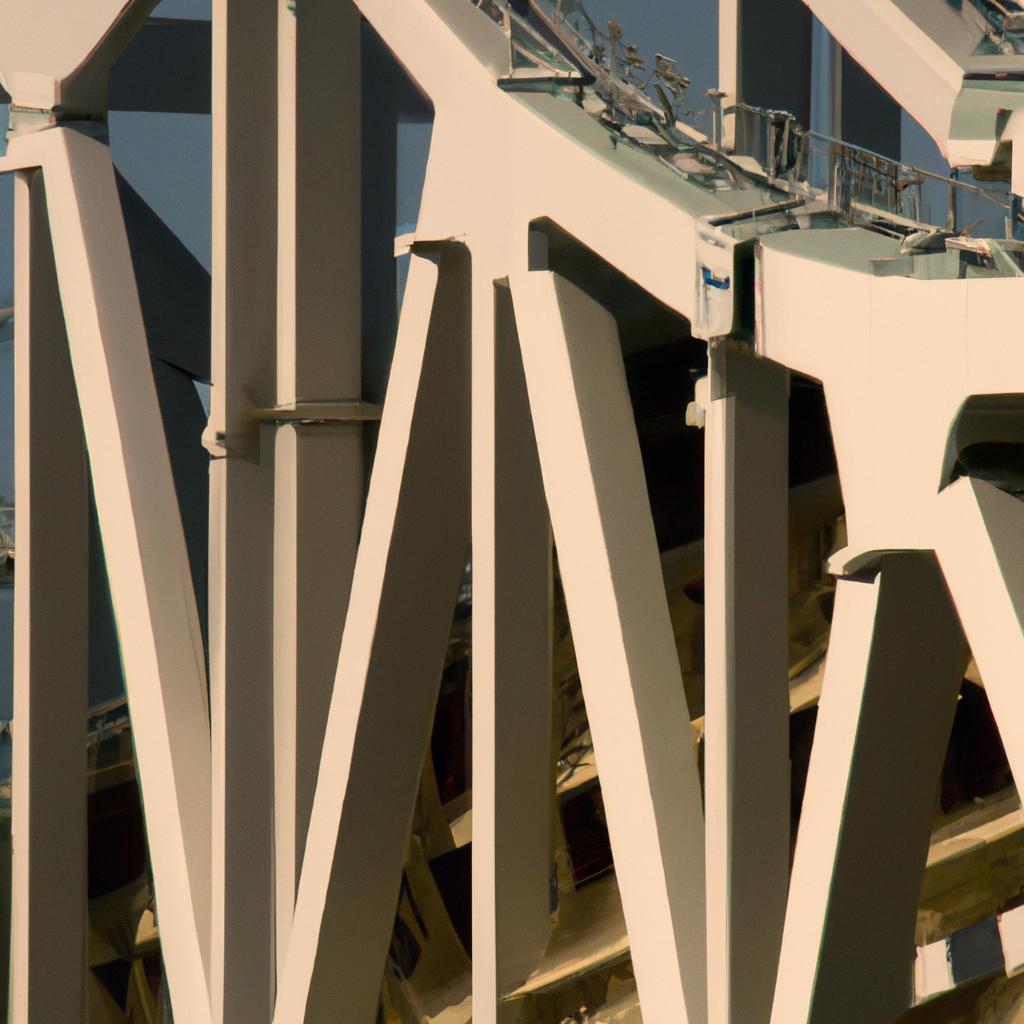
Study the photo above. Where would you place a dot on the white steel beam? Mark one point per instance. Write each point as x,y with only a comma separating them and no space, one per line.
746,680
241,503
411,559
608,558
150,582
58,56
51,640
318,468
895,664
513,769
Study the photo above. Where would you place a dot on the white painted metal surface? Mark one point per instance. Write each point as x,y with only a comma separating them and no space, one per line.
454,455
55,53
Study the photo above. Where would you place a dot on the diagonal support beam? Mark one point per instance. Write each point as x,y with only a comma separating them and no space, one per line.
150,581
895,665
411,560
608,556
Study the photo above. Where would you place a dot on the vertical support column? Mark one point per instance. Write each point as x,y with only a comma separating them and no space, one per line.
51,646
241,506
513,773
869,116
746,744
895,664
318,469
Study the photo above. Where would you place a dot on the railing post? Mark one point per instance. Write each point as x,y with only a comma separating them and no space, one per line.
1013,216
716,96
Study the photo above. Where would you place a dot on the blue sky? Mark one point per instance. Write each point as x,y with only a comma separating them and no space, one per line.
686,31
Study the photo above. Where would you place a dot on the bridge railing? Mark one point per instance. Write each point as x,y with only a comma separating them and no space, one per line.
857,182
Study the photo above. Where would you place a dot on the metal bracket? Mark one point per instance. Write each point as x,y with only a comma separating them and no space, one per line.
245,443
309,413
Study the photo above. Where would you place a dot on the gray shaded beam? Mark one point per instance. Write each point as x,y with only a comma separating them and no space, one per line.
319,474
184,420
51,645
320,172
746,745
164,69
244,287
524,772
379,151
869,116
174,288
241,710
513,767
774,56
388,97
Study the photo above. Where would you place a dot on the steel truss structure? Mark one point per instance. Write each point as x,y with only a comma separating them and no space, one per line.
278,774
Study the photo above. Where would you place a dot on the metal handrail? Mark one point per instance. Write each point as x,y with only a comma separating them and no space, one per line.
787,157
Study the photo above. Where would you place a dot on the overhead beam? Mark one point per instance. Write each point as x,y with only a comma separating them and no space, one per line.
765,54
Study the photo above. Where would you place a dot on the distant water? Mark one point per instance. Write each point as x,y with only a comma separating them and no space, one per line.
6,490
6,653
